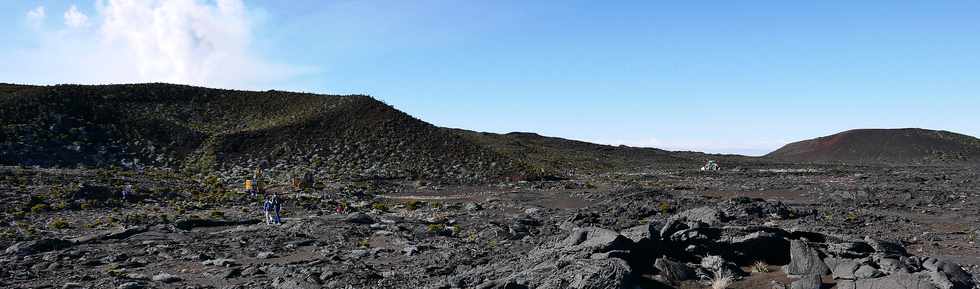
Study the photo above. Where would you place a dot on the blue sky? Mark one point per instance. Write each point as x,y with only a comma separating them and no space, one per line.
716,76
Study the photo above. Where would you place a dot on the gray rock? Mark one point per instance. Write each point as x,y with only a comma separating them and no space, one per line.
771,247
588,274
290,283
850,249
411,250
807,282
359,218
221,262
887,248
37,246
642,233
708,215
116,234
891,265
265,255
673,271
231,273
718,264
136,276
250,271
578,261
594,240
165,278
357,254
947,275
130,285
867,272
842,269
693,218
897,281
696,235
804,260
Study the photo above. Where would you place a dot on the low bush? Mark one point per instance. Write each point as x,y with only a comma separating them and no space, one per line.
40,208
59,223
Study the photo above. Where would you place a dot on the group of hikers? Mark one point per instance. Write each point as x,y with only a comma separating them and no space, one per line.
272,206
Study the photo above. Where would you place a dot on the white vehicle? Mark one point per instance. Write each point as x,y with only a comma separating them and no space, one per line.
710,166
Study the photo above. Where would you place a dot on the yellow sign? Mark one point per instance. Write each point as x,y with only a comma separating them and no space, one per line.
248,184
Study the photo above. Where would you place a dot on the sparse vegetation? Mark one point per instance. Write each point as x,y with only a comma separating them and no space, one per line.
412,205
664,207
58,223
39,208
364,243
435,228
760,267
719,280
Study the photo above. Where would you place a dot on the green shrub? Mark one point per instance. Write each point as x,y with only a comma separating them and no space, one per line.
664,208
59,206
58,223
435,228
380,207
8,234
39,208
217,214
364,243
412,205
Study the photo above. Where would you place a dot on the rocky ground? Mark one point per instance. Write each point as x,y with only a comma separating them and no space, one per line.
752,227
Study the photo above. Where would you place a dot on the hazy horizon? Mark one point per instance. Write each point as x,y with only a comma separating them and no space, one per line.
742,78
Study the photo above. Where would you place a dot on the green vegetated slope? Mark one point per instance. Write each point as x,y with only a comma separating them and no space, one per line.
571,156
198,128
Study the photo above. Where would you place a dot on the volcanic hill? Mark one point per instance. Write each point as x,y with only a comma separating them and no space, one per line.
912,146
202,129
197,129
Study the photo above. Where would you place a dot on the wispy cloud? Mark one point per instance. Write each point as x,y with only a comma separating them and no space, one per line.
181,41
75,18
35,17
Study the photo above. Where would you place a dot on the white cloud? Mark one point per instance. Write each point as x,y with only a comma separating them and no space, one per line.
195,42
75,18
36,16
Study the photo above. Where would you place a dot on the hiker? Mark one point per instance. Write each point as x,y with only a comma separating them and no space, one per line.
128,190
277,206
250,188
272,207
255,183
341,207
267,207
